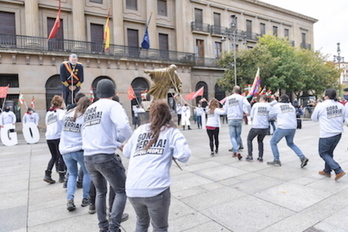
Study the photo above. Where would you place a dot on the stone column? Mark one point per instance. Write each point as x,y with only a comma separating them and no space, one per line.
118,25
79,27
32,23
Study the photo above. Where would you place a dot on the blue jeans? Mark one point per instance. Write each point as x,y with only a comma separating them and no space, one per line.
154,209
105,168
71,160
271,123
289,136
326,149
199,121
235,129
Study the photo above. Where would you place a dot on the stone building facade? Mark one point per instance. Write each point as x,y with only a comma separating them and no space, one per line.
188,33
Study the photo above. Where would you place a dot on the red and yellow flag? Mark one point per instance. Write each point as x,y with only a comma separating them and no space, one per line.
107,33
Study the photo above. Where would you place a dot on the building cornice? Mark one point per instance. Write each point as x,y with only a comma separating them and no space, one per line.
269,6
13,2
200,2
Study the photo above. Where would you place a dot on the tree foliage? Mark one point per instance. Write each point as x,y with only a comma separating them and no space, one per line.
282,66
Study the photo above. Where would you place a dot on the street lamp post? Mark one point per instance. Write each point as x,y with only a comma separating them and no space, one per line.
232,35
339,59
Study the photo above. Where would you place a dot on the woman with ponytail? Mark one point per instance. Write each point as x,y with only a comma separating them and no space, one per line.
151,150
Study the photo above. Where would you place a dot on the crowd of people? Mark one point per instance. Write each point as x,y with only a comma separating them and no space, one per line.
329,111
88,135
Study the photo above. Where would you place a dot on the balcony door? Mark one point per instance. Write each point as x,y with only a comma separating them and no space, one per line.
56,44
133,42
200,51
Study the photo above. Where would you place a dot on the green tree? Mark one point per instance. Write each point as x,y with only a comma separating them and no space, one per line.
282,66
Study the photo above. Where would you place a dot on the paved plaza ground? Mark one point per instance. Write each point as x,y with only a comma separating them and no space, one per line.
210,194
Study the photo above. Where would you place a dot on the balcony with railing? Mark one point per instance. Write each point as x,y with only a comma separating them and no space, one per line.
206,62
40,44
306,46
200,27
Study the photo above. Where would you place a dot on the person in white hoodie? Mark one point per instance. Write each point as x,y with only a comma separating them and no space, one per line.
331,115
54,123
235,106
151,150
259,116
70,147
106,127
213,124
285,114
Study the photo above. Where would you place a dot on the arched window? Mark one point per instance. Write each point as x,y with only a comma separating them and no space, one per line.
205,91
139,85
53,87
219,93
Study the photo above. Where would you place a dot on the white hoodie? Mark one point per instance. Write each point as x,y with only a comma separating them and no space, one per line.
148,170
54,123
71,136
234,106
285,114
260,115
331,115
106,127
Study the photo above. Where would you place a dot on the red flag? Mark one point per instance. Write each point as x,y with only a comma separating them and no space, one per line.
107,32
32,104
198,93
56,25
256,85
91,95
131,94
189,96
3,91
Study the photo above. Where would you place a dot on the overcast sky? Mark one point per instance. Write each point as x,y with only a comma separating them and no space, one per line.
332,25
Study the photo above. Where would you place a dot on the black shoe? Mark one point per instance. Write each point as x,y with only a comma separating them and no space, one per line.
212,153
216,151
85,202
70,205
79,184
231,150
259,159
275,163
304,162
91,209
249,158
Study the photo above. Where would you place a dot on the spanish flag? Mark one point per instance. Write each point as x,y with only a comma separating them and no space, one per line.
107,33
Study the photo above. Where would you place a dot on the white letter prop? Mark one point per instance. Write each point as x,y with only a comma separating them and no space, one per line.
31,132
8,135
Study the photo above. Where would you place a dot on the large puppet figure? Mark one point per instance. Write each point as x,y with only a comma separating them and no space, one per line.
71,76
164,79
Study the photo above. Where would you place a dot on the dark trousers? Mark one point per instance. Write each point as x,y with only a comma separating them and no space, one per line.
68,99
260,133
326,149
179,119
213,135
56,157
